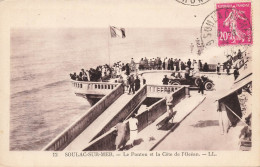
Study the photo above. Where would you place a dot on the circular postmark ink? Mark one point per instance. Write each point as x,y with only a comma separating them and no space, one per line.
193,2
219,30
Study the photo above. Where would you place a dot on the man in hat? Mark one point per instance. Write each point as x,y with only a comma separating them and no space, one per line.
165,80
131,83
169,102
189,63
137,83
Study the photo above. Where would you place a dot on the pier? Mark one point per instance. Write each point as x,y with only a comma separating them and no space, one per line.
114,105
95,129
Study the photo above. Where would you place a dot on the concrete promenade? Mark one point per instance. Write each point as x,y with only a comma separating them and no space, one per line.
196,130
150,136
201,131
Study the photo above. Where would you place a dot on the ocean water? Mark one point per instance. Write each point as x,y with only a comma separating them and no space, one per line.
42,101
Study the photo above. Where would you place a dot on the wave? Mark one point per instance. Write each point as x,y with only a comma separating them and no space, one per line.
34,90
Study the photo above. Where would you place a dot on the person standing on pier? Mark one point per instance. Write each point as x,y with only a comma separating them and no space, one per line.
236,73
178,65
182,65
146,63
121,135
159,64
201,85
228,69
169,64
133,126
206,67
169,103
121,80
187,72
143,79
127,69
131,83
165,80
218,68
189,63
166,63
200,65
133,65
137,83
127,83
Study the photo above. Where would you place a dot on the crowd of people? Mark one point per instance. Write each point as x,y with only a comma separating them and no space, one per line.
122,72
102,73
97,74
171,64
131,82
106,72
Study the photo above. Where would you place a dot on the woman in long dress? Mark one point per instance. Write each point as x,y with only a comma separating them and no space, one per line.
121,135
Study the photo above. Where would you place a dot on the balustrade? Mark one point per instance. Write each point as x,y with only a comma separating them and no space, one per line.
69,134
93,85
161,90
106,141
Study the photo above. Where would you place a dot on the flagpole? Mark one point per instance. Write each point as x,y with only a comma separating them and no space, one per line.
108,45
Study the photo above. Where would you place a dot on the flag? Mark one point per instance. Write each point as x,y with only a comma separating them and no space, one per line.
117,32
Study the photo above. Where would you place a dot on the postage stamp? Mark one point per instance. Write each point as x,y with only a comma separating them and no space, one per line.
193,2
234,24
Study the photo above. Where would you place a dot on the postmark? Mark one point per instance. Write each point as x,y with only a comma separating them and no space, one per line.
193,2
214,33
234,24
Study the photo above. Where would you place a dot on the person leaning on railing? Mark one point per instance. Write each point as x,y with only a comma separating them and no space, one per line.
120,80
73,76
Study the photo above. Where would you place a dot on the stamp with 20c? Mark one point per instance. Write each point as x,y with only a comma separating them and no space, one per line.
229,24
234,24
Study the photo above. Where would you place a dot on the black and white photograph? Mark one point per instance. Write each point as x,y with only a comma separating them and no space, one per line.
127,89
170,80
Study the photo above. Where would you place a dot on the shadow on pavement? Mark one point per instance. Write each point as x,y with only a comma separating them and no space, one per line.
136,142
206,123
167,126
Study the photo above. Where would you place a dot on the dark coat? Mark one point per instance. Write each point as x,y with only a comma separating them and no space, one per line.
165,81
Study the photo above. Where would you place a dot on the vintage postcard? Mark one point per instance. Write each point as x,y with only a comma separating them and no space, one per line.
129,83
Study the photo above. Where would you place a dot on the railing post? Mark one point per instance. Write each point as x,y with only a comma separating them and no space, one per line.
187,90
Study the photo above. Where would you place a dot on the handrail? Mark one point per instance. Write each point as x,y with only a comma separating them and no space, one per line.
163,88
139,97
181,71
83,87
90,82
106,140
165,85
70,133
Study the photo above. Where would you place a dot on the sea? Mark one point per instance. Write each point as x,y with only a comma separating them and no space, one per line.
43,103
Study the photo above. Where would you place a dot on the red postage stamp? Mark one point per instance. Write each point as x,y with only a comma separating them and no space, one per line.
234,24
